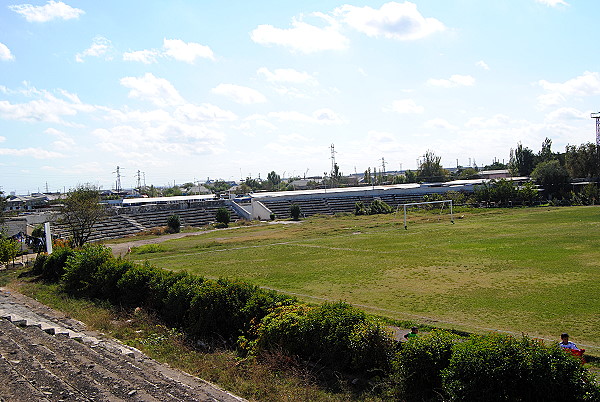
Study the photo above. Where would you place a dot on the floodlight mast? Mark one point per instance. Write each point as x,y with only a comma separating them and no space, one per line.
597,117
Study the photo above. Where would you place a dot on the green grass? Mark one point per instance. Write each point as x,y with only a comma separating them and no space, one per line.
535,270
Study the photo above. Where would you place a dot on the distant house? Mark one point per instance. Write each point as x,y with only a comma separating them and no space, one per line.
199,190
26,202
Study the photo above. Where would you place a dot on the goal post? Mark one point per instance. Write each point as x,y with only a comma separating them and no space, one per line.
425,203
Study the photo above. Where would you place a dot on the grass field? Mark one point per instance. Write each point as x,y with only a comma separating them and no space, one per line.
533,271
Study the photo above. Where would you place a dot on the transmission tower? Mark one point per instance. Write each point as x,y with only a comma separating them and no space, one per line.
139,180
383,164
118,182
332,147
597,117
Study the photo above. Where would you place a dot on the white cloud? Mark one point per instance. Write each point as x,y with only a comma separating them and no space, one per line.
302,37
172,48
146,144
5,53
36,153
204,112
567,113
52,10
455,80
482,64
63,141
393,20
321,116
157,90
439,123
187,52
142,56
239,94
406,106
583,85
553,3
327,116
287,75
100,47
499,120
45,107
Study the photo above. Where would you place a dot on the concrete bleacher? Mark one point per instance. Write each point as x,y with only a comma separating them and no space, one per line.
333,204
128,221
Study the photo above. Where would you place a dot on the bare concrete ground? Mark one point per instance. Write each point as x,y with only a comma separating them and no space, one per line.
46,356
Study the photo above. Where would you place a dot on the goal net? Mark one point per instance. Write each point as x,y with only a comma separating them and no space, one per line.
444,205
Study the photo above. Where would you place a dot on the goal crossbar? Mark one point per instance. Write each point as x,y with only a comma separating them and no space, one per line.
424,203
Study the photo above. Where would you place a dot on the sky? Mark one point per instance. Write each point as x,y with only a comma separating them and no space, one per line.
187,90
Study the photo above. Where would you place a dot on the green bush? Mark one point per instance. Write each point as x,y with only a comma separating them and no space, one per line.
134,286
376,207
174,223
80,277
178,298
225,309
223,216
107,277
334,334
419,363
503,368
295,212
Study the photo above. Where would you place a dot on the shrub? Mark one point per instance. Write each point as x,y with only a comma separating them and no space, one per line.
503,368
223,216
174,223
134,285
80,270
418,365
224,309
334,334
295,212
376,207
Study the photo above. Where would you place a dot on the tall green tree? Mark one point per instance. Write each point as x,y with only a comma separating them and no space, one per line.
546,153
583,161
80,211
522,161
551,176
431,168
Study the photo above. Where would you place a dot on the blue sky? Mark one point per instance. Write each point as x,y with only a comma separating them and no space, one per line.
185,90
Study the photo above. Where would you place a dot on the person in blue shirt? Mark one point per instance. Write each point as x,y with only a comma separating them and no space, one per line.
565,343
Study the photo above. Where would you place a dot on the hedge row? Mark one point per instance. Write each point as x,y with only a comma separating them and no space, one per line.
435,366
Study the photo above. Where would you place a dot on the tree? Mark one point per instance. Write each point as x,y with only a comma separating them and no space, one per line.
174,223
295,212
522,161
273,180
431,168
411,177
223,216
81,210
551,176
546,153
583,161
9,248
467,173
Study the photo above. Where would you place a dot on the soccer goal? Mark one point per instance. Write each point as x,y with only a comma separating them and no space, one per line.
414,204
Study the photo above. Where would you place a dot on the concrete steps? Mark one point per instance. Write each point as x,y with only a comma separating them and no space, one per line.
45,359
